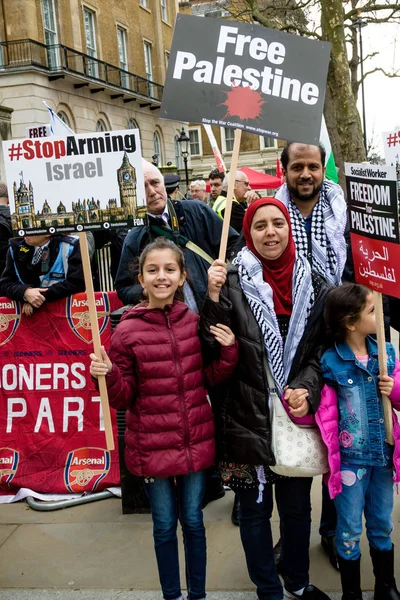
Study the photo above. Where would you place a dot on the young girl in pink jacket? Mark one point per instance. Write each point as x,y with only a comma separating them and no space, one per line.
352,423
155,371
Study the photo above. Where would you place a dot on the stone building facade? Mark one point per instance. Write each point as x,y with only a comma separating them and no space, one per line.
99,64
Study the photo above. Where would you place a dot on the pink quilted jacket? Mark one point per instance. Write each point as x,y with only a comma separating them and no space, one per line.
327,419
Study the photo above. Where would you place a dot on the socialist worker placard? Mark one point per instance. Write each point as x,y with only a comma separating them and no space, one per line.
245,76
374,226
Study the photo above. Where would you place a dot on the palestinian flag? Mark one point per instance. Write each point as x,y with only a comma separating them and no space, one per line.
331,170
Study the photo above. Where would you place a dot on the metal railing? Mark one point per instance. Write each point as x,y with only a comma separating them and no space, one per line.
22,54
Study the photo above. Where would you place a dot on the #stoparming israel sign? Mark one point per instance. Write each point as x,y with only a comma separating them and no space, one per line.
88,181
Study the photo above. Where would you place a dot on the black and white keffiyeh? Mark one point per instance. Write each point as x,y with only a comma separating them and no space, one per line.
259,295
329,216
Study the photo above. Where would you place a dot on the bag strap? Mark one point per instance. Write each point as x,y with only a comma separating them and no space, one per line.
271,382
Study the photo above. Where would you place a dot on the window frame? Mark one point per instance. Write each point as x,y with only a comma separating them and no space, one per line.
223,139
123,45
159,150
100,123
164,10
199,141
264,147
50,31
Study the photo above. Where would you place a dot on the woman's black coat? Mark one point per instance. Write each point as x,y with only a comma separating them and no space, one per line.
243,426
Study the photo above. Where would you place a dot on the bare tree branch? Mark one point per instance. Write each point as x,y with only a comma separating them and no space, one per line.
371,7
393,74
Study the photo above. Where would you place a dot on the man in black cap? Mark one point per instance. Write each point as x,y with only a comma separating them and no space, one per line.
154,160
171,183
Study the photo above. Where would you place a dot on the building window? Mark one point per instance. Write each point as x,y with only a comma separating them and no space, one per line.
101,126
143,3
228,139
148,66
164,13
50,32
132,124
123,60
157,147
147,61
91,47
195,142
268,142
64,118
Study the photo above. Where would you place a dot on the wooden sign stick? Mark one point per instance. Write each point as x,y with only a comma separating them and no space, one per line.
94,324
382,356
229,198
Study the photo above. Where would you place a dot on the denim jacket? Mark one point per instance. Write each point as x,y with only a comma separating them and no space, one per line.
361,421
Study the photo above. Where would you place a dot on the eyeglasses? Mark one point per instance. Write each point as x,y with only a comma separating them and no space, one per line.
240,181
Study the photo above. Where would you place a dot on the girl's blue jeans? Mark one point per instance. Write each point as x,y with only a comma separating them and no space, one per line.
368,490
172,499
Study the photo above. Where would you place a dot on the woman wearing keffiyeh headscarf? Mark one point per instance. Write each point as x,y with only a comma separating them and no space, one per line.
274,306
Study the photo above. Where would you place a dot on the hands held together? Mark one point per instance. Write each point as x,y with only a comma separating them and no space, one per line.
297,400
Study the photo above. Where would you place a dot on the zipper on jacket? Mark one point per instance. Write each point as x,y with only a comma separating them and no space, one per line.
181,401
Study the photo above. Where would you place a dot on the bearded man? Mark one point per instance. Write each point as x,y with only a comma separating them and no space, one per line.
318,212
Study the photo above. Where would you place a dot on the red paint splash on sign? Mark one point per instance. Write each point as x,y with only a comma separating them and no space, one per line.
243,102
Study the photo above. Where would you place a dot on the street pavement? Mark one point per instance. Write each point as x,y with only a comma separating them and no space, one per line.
93,551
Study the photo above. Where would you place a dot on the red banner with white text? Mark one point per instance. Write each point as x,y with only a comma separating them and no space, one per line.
51,425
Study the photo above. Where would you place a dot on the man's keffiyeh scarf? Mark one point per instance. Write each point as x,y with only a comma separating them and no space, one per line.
260,298
329,217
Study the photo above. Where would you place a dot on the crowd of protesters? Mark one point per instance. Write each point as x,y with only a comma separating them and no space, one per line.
284,315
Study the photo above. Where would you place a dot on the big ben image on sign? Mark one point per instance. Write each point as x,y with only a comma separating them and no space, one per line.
127,188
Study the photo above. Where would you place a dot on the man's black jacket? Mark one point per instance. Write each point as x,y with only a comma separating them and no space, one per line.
197,222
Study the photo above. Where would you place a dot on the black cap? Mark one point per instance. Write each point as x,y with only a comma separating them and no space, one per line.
154,156
171,182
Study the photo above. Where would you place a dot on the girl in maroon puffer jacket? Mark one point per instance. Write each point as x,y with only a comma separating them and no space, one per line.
155,370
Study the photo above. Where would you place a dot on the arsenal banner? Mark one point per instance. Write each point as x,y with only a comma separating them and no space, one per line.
51,425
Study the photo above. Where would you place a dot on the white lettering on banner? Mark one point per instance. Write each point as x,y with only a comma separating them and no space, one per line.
6,460
101,419
7,305
270,81
31,377
87,461
84,303
60,371
81,378
78,413
40,376
11,414
364,192
71,407
374,225
44,413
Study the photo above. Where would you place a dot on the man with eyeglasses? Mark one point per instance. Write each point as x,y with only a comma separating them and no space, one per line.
244,195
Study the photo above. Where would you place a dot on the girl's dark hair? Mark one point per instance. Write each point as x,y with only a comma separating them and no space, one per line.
343,306
160,243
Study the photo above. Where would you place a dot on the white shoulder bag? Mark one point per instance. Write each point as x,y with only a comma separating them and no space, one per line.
298,449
